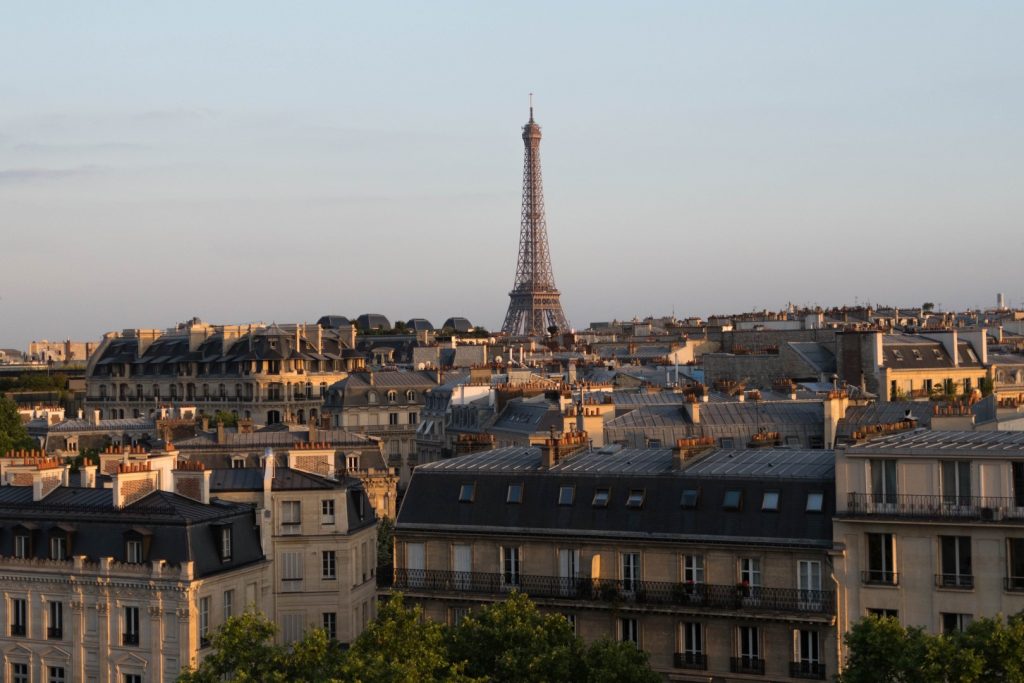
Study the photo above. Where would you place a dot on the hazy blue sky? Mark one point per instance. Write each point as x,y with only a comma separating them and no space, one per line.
279,161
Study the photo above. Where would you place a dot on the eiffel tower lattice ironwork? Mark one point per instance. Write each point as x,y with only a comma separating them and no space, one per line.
535,305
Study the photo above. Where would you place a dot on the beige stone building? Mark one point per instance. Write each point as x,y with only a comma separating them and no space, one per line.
267,374
930,525
716,563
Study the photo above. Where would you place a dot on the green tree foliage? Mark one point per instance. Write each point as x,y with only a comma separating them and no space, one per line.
226,418
508,641
927,307
385,542
12,432
881,650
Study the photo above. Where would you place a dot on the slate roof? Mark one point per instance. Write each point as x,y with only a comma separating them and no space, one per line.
929,443
272,439
137,424
285,479
885,412
431,503
750,413
528,417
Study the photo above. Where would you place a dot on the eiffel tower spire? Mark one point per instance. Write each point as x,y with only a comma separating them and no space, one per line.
534,304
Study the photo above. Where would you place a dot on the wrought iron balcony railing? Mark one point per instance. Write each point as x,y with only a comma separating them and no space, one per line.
691,660
640,593
130,638
959,581
746,665
1013,584
17,629
807,669
54,632
974,508
880,577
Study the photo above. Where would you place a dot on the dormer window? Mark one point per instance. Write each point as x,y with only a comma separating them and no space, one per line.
897,354
467,493
59,547
392,396
917,354
515,493
22,545
225,543
689,499
371,397
635,499
133,552
352,462
601,498
410,395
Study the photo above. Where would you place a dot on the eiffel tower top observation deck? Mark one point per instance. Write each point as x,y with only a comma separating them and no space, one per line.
534,304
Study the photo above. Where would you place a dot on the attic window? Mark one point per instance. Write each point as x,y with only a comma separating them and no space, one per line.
636,498
690,498
225,543
971,354
726,442
410,395
467,492
917,354
770,502
392,396
897,354
515,493
815,501
371,397
732,500
938,354
601,497
566,495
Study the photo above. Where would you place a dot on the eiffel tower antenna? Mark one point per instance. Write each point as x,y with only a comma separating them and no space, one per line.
535,304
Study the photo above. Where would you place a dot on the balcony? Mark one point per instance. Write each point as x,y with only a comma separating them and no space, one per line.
130,638
879,577
697,661
955,581
18,629
967,508
1013,584
807,669
611,591
746,665
54,633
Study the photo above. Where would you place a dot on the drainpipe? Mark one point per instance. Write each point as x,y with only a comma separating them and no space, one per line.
840,621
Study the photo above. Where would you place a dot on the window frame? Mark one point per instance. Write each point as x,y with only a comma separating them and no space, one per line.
562,489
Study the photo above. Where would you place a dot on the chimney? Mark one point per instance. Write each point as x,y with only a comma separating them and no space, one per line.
836,404
692,409
549,453
314,433
221,437
319,339
87,476
94,418
352,336
133,481
206,423
192,480
268,474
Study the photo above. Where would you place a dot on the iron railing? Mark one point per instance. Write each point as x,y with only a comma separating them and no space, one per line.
691,660
880,577
54,632
130,638
746,665
653,593
1013,584
959,581
807,669
975,508
17,629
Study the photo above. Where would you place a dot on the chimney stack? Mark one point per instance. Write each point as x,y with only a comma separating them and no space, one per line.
221,436
192,480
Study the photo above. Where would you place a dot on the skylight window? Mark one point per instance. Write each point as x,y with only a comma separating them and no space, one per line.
601,497
467,492
515,493
897,354
815,501
770,502
733,499
566,495
636,498
690,499
938,353
917,354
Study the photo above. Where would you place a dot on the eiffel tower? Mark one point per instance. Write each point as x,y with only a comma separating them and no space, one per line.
534,306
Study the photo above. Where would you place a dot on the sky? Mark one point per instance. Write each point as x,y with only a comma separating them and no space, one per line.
270,161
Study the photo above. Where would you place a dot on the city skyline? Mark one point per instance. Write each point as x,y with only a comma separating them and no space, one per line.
699,160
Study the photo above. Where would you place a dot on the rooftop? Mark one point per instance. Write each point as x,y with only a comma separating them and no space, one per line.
944,443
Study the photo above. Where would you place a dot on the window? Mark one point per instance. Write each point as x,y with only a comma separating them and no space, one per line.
204,622
330,622
238,463
566,495
917,354
130,633
414,418
807,652
955,562
748,648
883,481
19,672
630,571
568,569
466,493
56,674
1015,557
897,354
291,517
59,546
956,482
808,582
55,628
510,566
392,418
133,552
229,604
410,395
601,497
392,396
881,559
883,613
692,640
733,499
225,544
693,569
371,397
770,502
456,615
352,462
629,630
953,622
291,571
726,442
690,499
327,511
515,493
815,501
22,545
1018,484
750,572
18,616
293,626
571,618
328,563
133,678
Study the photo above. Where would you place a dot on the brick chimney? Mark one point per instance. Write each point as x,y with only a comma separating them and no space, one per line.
192,480
133,481
221,437
692,408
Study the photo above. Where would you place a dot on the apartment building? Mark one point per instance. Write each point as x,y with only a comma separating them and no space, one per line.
931,527
716,562
120,584
268,374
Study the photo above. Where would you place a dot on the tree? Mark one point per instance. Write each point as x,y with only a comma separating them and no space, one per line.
385,542
928,307
400,646
225,418
12,432
512,642
610,661
241,651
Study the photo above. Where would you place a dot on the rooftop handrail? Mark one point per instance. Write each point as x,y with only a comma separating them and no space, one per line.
934,506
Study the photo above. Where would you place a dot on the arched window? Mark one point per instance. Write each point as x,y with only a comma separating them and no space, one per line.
410,395
371,397
392,396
